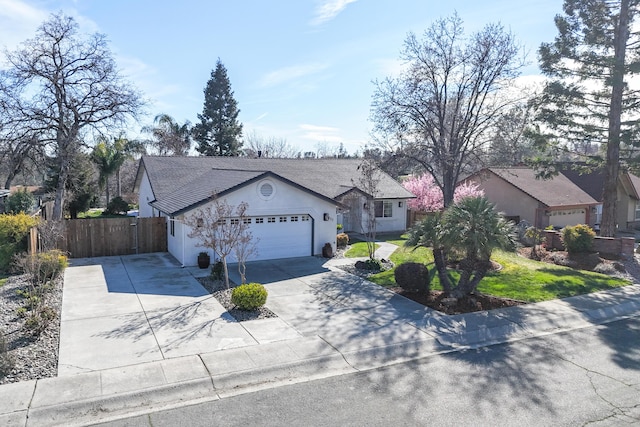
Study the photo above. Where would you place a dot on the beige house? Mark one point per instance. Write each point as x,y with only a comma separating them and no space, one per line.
520,196
628,191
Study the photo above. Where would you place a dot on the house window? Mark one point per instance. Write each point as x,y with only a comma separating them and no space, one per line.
235,221
383,209
638,210
246,220
283,219
172,226
271,219
294,219
305,217
259,220
222,221
199,222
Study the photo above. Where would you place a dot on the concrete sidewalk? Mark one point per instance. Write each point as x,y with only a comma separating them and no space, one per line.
330,323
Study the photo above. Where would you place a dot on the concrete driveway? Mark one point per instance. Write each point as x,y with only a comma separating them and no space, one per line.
125,310
119,311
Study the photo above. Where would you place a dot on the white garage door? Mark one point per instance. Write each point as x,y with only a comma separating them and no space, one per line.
567,217
282,236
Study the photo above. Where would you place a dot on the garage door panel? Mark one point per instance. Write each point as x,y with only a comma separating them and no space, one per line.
282,239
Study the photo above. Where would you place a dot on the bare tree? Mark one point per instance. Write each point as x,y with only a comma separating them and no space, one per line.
440,110
273,147
510,144
368,182
245,248
59,85
219,227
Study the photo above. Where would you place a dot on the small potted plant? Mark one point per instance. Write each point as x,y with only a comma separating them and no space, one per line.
204,260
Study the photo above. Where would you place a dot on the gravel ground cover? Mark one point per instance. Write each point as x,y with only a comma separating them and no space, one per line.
33,357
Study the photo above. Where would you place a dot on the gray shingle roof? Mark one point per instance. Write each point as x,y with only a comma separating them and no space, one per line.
558,191
172,178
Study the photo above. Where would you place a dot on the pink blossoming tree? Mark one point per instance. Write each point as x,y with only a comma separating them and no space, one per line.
429,196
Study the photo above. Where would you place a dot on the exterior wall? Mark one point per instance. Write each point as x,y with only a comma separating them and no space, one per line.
509,199
397,222
625,208
145,195
286,199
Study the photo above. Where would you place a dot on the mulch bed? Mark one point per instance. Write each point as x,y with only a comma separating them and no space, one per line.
474,302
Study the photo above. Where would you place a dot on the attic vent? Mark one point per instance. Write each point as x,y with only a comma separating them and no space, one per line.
266,189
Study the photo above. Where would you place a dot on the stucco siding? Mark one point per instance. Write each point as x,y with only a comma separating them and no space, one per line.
286,201
145,195
507,198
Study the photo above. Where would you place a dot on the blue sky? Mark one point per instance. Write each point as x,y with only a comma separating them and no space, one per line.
301,70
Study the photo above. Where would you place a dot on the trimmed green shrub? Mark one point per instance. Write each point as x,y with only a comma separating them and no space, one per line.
249,296
20,201
217,271
412,276
578,238
117,206
342,240
369,264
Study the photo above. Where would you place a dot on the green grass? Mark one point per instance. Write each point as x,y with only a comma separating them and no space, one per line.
358,250
97,213
520,278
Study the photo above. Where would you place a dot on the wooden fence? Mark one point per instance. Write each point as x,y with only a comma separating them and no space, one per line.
113,236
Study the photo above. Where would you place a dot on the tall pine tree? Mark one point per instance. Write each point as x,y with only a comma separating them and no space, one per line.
588,98
219,131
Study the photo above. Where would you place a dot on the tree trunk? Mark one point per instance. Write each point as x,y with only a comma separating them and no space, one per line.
9,180
612,168
118,183
226,271
58,201
106,187
479,269
440,259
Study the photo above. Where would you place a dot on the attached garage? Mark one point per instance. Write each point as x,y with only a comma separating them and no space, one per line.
563,217
282,236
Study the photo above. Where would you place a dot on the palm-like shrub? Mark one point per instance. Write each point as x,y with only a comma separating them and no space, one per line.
469,230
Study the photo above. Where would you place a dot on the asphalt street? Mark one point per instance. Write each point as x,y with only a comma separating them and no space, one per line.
588,376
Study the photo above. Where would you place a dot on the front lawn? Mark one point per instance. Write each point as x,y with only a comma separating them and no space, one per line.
359,249
520,278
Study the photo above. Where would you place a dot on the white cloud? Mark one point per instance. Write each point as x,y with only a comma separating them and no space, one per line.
320,133
287,74
18,22
329,9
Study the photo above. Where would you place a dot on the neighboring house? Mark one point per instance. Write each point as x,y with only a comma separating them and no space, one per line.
294,205
520,196
628,194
